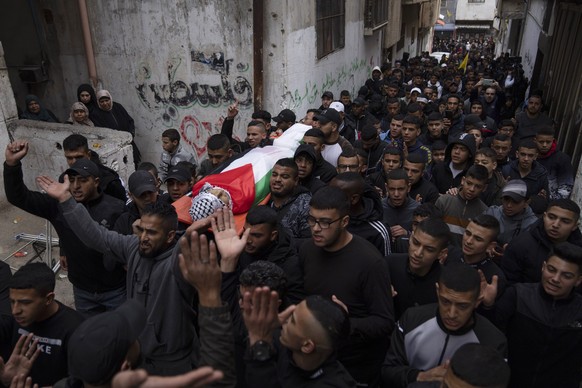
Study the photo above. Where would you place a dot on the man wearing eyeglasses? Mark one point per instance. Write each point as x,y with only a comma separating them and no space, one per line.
351,271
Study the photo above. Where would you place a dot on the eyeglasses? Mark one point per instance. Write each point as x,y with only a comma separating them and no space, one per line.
346,167
323,224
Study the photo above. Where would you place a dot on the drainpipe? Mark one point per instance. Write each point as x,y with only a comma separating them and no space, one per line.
258,11
89,54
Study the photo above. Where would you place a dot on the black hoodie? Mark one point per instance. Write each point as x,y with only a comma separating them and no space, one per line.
368,224
442,176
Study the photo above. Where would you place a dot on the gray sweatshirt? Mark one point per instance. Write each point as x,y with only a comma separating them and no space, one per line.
169,342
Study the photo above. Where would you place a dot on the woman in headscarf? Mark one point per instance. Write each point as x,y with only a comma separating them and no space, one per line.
113,115
79,115
35,111
86,95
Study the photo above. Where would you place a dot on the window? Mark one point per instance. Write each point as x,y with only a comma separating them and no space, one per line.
476,1
330,26
376,13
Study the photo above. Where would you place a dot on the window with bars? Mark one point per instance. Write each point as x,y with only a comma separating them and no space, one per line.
376,13
330,26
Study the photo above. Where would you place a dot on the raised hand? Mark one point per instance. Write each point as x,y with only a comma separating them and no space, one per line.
15,152
23,356
260,314
229,244
488,290
58,191
232,110
199,267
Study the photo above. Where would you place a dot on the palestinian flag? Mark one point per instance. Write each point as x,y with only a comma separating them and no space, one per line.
247,177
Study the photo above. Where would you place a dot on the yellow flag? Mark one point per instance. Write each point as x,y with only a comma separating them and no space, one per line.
463,64
449,14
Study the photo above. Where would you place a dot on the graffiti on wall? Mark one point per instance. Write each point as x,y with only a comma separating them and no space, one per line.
339,79
175,99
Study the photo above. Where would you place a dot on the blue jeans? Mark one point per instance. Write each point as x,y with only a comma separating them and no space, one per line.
92,303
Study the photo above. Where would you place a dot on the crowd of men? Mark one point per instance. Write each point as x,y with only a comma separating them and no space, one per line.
421,235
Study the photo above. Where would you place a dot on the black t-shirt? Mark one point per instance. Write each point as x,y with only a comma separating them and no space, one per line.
358,276
53,334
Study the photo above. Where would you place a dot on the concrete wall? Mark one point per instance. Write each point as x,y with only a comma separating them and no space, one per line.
180,64
476,11
46,157
294,77
534,17
8,113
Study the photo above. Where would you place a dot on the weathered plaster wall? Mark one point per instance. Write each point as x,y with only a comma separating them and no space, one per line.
46,156
531,33
8,113
294,77
476,11
175,65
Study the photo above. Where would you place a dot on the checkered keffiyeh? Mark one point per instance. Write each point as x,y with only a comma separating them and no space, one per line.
205,203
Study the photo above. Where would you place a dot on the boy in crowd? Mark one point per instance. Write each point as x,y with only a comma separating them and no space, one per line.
486,157
459,157
531,172
557,164
466,204
172,152
391,160
514,214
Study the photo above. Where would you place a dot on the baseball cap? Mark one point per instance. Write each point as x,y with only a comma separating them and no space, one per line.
140,182
99,345
83,167
305,149
417,90
179,173
337,106
327,94
285,115
515,189
330,114
474,121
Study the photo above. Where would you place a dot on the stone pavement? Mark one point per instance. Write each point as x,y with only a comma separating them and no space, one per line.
14,221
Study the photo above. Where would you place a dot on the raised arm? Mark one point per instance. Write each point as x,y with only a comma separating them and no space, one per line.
87,230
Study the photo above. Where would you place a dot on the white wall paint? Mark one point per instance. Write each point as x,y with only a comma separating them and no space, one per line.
476,11
8,113
534,17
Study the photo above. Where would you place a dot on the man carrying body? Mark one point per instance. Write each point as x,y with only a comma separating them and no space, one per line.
289,199
322,169
95,288
355,274
329,122
219,151
154,278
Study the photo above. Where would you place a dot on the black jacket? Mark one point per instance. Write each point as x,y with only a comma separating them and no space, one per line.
238,146
523,258
413,290
544,336
86,269
427,191
536,181
324,170
368,224
292,215
422,342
